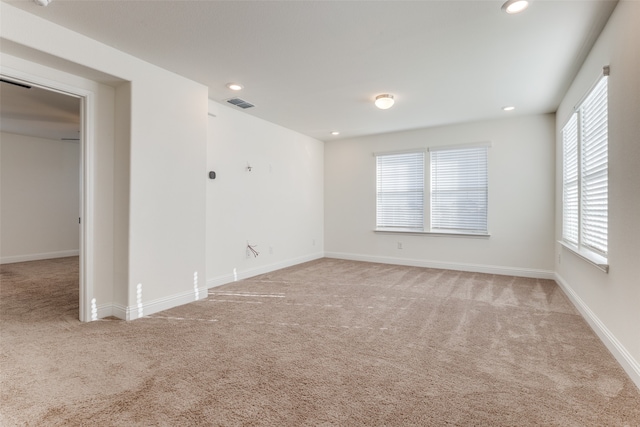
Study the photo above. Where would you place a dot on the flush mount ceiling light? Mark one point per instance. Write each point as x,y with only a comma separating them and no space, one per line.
335,132
235,86
508,108
515,6
384,101
42,2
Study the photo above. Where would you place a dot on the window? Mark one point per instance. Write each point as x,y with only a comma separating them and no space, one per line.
459,191
585,176
400,191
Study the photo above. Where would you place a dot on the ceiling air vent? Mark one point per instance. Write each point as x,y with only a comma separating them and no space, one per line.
240,103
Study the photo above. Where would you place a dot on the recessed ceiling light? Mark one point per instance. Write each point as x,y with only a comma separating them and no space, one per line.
235,86
384,101
515,6
335,132
509,108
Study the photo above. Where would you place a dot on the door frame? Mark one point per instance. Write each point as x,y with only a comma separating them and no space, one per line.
87,304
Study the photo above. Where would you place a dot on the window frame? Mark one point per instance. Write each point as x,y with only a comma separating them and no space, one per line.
427,197
589,174
481,155
393,221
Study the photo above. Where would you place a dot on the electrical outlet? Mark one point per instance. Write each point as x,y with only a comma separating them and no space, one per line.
271,250
559,258
313,242
399,245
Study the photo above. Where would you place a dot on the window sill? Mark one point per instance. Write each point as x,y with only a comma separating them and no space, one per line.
592,258
432,233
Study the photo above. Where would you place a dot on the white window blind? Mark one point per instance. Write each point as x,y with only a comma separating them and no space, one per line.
595,168
400,191
570,198
459,189
585,173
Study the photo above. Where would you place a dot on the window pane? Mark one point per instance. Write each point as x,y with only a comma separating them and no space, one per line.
459,187
595,183
570,199
400,190
585,170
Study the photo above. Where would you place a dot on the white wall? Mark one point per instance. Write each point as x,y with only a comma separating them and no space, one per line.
277,206
121,205
40,193
611,302
165,194
167,189
521,202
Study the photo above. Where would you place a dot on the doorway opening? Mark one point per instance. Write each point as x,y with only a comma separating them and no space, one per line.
44,177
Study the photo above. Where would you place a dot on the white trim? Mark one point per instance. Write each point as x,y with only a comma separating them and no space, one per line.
160,304
482,144
592,258
245,274
602,74
624,358
435,148
395,152
474,268
40,256
106,310
87,166
390,230
165,303
117,310
221,280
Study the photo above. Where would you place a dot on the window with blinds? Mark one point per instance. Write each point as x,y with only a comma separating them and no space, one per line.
459,189
570,191
585,173
400,191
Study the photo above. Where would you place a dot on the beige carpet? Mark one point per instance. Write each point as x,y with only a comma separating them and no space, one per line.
326,343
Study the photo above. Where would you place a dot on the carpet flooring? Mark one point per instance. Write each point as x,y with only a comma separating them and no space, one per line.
325,343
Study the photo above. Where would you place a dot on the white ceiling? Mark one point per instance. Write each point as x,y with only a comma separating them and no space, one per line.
316,66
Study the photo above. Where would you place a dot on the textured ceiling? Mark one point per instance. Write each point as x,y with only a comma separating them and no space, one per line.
316,66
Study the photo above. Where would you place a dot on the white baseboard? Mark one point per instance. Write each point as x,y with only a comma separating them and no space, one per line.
150,307
160,304
245,274
475,268
624,358
40,256
107,310
117,310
